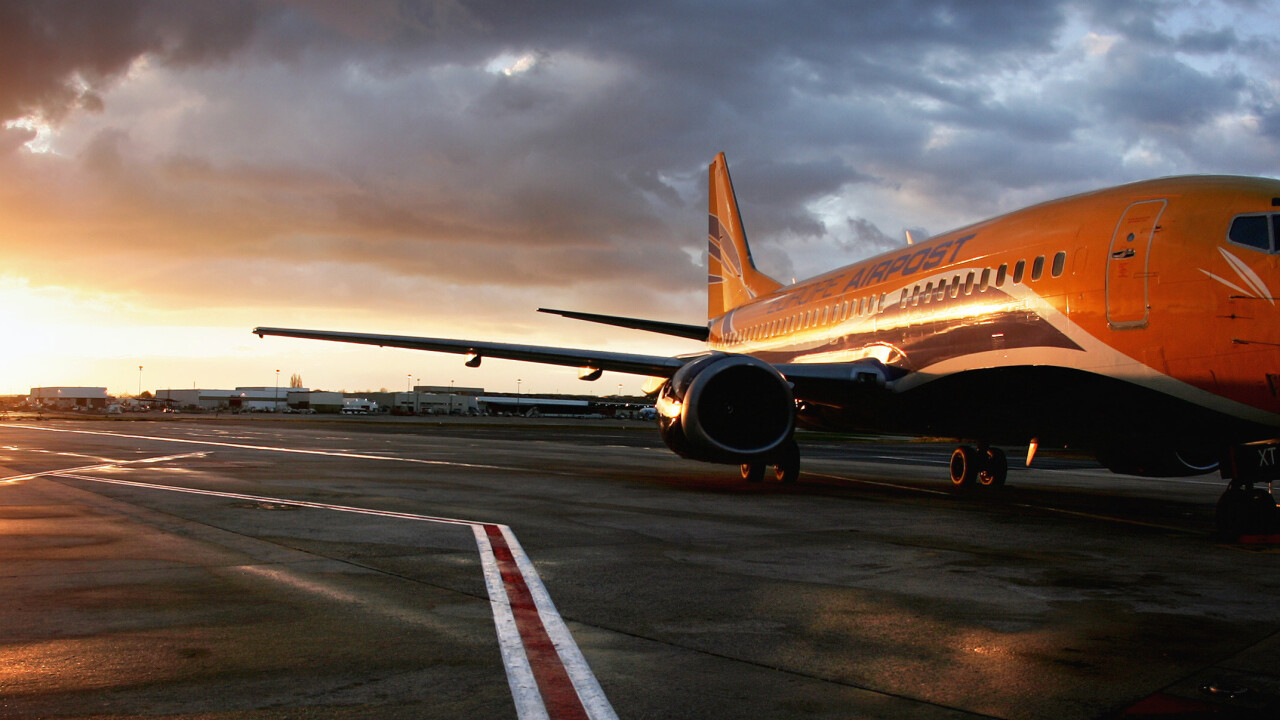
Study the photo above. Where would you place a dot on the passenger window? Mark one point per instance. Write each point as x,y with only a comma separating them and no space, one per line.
968,284
1037,268
942,290
1000,273
915,296
1018,270
928,292
862,306
986,280
903,302
1251,231
955,286
1059,263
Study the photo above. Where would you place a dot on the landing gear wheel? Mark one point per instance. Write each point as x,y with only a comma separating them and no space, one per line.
1246,511
964,466
752,472
995,470
786,468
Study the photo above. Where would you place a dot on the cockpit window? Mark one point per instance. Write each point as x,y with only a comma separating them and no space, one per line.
1252,231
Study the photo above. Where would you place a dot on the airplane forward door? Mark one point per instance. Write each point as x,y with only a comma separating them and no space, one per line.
1128,265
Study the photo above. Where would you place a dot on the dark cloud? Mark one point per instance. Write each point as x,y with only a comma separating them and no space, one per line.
58,56
1161,90
1208,41
864,236
385,135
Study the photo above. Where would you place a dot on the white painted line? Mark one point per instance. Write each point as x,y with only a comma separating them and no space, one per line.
524,688
99,466
878,483
584,681
268,448
557,684
1046,508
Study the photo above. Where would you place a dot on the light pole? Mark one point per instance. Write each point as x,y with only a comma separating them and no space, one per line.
139,379
275,399
518,381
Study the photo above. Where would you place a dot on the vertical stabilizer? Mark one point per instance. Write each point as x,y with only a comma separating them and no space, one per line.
732,278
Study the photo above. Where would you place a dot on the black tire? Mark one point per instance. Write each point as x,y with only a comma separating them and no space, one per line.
964,466
995,470
1232,514
1263,512
752,472
786,469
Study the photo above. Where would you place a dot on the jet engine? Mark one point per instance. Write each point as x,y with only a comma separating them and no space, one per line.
726,409
1159,460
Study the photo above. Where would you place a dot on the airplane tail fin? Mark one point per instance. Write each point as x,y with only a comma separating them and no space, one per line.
732,278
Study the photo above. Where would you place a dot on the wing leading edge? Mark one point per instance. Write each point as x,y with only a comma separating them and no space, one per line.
649,365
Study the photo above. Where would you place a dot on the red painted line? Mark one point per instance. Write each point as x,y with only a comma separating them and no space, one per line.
558,694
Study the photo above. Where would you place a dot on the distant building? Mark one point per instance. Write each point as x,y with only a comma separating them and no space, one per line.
315,401
448,390
360,405
67,398
439,401
254,399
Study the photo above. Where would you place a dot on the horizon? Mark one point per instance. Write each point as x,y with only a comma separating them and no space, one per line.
173,175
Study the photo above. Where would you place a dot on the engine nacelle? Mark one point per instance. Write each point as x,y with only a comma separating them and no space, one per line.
727,409
1158,460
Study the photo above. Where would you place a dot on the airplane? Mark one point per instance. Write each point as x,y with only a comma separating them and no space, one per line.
1138,322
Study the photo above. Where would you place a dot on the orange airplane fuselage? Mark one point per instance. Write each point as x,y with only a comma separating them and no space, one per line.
1158,294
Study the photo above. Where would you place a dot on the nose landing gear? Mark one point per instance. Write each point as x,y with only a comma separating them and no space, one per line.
1245,508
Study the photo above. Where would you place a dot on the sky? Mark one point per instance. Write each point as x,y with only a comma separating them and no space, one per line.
173,174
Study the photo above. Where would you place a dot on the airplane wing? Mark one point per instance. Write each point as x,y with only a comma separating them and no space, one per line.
649,365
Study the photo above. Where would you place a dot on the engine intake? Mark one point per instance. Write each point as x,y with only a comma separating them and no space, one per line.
726,409
1159,460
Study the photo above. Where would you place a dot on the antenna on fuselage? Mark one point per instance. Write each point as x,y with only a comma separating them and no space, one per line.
910,240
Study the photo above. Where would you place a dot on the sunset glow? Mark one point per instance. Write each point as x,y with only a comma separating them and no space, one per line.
199,172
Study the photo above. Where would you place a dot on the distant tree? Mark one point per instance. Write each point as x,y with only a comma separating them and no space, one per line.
295,380
145,395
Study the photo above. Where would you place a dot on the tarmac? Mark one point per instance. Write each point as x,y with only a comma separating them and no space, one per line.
377,568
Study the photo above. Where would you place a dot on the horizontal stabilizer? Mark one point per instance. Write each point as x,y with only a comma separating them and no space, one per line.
693,332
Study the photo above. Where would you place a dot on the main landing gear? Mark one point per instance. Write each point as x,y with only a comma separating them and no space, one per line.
984,466
1245,509
786,465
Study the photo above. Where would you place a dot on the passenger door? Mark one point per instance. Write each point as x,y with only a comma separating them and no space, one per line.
1128,265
